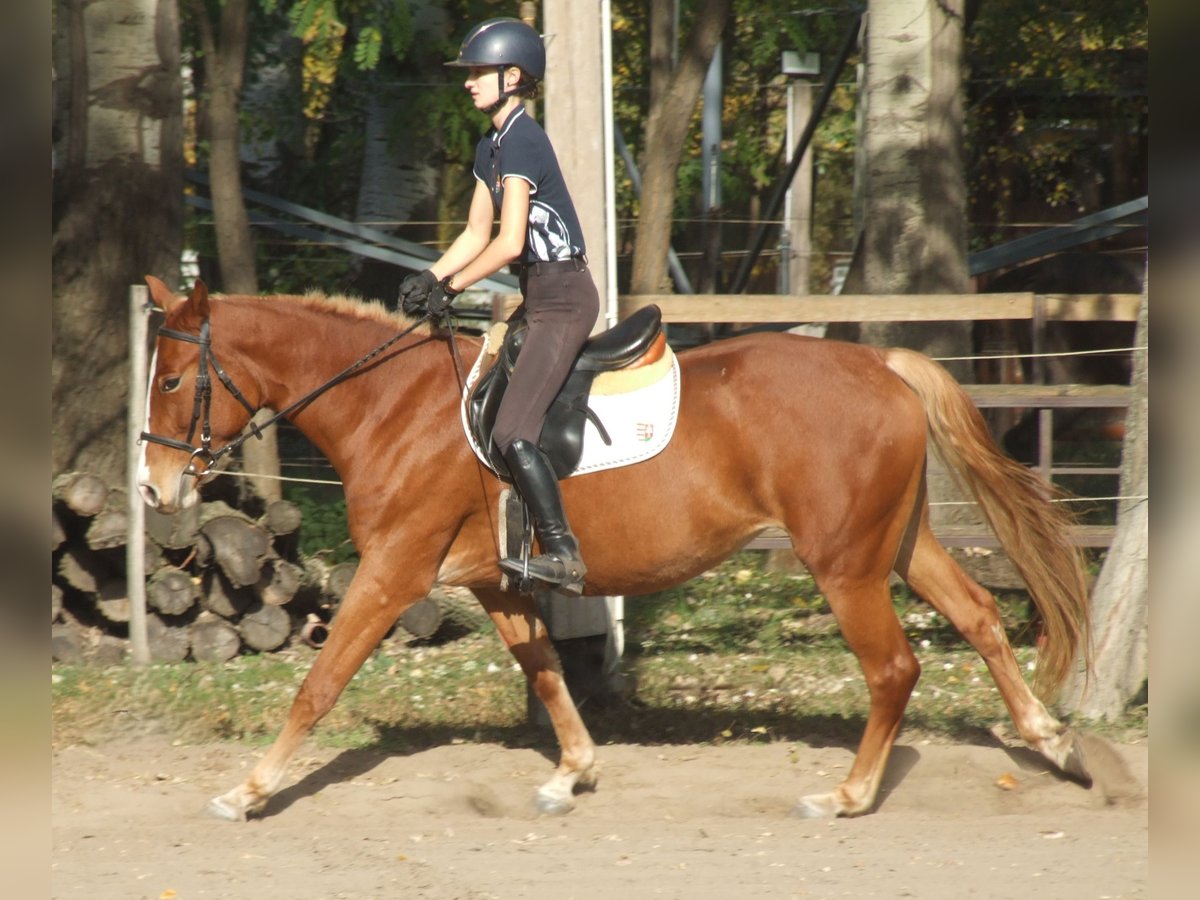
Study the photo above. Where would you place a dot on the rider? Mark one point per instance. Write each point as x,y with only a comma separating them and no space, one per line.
518,176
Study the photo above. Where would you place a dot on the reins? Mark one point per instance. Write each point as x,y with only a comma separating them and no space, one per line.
202,404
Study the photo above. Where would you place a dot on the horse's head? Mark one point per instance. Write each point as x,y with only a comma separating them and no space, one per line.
189,419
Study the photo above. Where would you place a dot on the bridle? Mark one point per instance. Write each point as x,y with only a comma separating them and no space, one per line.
202,407
202,401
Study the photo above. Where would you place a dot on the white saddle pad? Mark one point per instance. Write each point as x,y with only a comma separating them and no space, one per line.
638,409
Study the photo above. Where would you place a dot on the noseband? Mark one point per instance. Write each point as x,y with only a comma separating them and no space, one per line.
202,407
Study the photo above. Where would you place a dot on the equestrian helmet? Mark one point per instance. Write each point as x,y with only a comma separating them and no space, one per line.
503,42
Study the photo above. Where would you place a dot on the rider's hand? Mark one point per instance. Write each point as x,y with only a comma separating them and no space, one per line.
440,298
415,291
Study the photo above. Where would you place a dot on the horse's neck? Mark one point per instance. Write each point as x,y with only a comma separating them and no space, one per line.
292,348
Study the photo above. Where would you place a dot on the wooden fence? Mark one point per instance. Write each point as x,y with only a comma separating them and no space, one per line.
1037,309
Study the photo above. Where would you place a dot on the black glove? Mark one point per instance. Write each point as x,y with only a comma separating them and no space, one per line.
415,290
440,298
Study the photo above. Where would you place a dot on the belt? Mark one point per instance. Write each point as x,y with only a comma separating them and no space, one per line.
574,264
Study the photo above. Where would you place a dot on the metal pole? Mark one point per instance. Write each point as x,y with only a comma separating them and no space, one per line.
135,543
742,277
615,646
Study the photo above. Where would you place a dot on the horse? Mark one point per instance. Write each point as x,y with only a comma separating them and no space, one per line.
826,440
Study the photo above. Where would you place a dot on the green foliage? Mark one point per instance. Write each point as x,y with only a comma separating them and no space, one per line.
1057,112
323,530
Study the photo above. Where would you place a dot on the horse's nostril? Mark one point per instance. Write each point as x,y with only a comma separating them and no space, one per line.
149,494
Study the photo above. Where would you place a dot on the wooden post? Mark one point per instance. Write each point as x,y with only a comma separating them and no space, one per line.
575,118
135,546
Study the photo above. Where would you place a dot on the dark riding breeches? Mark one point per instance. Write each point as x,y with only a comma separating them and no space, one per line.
561,307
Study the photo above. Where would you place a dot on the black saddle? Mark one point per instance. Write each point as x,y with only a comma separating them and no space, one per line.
562,432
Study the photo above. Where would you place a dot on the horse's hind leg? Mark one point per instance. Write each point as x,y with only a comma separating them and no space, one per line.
516,618
868,622
939,580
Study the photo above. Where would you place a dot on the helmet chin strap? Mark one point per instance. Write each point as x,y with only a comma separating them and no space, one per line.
494,108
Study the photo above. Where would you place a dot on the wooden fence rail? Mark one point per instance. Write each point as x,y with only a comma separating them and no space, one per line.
1038,309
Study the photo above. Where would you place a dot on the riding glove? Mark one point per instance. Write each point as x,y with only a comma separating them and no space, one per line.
415,290
440,298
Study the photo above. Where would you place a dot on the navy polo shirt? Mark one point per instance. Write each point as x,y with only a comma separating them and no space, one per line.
521,149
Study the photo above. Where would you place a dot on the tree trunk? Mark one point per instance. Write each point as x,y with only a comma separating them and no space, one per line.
225,55
912,189
1121,597
118,210
912,204
667,127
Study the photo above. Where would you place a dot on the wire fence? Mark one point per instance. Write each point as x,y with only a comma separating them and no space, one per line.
311,463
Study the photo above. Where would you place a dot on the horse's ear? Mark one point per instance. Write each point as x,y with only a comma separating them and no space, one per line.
161,295
198,300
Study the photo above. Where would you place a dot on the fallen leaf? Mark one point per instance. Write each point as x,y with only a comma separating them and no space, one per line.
1007,782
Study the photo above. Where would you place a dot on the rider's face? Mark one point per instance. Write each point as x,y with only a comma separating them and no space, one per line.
483,84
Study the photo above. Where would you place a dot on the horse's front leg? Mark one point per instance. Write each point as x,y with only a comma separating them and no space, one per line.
516,618
363,618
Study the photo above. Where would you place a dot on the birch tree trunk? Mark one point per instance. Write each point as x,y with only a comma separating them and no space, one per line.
911,199
913,211
118,210
1121,597
666,130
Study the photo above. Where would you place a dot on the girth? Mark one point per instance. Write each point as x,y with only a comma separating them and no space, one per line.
634,341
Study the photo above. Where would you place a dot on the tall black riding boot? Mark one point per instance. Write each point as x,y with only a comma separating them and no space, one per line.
559,563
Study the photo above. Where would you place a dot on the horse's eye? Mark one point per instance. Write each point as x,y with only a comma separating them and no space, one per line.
169,384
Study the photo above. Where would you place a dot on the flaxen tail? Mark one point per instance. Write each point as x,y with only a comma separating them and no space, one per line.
1015,500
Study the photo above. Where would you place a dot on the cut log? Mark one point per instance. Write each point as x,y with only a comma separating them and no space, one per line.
461,612
66,644
219,596
172,591
265,627
339,580
112,600
83,494
279,582
282,520
107,651
239,547
83,569
174,532
167,642
282,517
108,529
422,619
315,632
213,639
56,598
58,534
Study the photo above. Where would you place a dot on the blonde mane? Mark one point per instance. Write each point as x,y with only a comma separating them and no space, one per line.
342,305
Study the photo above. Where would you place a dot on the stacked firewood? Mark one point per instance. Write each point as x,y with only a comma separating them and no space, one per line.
221,578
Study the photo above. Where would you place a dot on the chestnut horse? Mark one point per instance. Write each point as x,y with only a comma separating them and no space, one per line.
826,440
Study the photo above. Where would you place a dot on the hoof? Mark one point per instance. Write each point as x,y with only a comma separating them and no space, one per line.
817,806
550,803
1075,765
223,809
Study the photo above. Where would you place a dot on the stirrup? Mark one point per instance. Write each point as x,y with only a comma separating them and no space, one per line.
566,575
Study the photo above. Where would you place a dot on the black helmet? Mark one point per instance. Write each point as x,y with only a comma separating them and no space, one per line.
504,42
